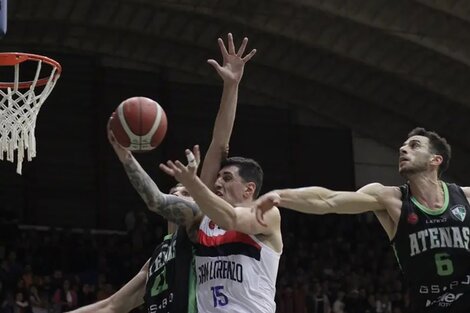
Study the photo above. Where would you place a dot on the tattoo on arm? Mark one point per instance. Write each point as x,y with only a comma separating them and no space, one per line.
170,207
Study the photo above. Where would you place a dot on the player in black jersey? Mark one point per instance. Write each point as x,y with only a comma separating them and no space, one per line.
165,284
426,219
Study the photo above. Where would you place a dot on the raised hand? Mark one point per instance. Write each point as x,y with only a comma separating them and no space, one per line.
184,174
122,153
231,70
265,203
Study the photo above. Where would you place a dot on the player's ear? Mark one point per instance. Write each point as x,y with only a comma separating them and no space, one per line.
437,160
250,189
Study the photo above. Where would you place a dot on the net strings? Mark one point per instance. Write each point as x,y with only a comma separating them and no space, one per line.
18,112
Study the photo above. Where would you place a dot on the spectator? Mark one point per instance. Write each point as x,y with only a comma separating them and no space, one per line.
65,298
318,301
338,305
37,305
21,304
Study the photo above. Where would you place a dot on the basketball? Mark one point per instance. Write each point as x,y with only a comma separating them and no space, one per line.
139,124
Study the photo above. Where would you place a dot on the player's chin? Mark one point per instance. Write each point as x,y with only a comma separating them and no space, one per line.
404,171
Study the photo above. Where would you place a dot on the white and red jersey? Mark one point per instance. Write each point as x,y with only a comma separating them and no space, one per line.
235,272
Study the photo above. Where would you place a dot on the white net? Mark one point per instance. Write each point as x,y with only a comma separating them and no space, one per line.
19,108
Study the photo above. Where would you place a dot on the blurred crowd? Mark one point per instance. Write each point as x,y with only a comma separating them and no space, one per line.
340,264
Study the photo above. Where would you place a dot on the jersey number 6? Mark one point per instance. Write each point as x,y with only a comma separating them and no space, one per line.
443,264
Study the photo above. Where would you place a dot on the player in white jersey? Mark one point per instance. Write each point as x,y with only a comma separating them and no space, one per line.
235,272
182,212
237,259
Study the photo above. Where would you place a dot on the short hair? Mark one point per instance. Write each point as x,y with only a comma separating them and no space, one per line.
176,186
248,169
437,144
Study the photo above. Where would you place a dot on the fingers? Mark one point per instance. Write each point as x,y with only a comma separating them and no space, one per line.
249,56
180,167
166,169
111,137
197,154
259,217
191,159
108,129
242,47
231,46
177,168
170,168
215,65
223,50
192,162
264,204
108,125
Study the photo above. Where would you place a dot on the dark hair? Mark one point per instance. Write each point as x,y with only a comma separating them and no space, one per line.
248,169
175,186
437,144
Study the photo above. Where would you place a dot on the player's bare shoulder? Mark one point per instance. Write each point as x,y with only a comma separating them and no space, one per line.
390,199
381,192
388,196
466,191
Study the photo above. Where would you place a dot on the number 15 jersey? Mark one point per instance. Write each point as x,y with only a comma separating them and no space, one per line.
235,272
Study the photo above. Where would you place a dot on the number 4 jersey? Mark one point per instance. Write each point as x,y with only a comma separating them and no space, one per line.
235,272
171,284
432,248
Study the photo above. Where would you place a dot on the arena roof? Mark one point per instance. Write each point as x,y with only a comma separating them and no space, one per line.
384,67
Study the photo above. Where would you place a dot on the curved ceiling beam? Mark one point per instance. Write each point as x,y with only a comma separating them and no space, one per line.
275,27
435,72
425,25
446,64
344,109
381,90
453,8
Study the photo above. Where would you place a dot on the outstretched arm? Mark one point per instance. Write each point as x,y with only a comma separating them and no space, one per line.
225,215
231,72
170,207
318,200
130,296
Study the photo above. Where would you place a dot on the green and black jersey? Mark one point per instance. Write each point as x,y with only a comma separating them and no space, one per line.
171,285
432,248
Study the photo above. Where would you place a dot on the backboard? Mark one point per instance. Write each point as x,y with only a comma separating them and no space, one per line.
3,17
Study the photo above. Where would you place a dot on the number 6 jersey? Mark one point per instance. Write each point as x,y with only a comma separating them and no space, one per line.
235,272
432,248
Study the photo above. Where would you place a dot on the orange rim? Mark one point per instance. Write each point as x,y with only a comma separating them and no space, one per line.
14,58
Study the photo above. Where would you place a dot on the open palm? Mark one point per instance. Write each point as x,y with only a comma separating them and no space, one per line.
233,63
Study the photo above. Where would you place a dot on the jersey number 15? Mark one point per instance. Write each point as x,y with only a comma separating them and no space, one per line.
220,299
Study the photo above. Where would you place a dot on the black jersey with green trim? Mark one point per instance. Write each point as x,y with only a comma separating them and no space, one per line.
171,284
432,248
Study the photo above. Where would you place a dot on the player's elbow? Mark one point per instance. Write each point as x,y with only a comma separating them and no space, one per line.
108,305
219,144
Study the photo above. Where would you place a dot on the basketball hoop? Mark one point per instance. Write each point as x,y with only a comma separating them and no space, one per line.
20,102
